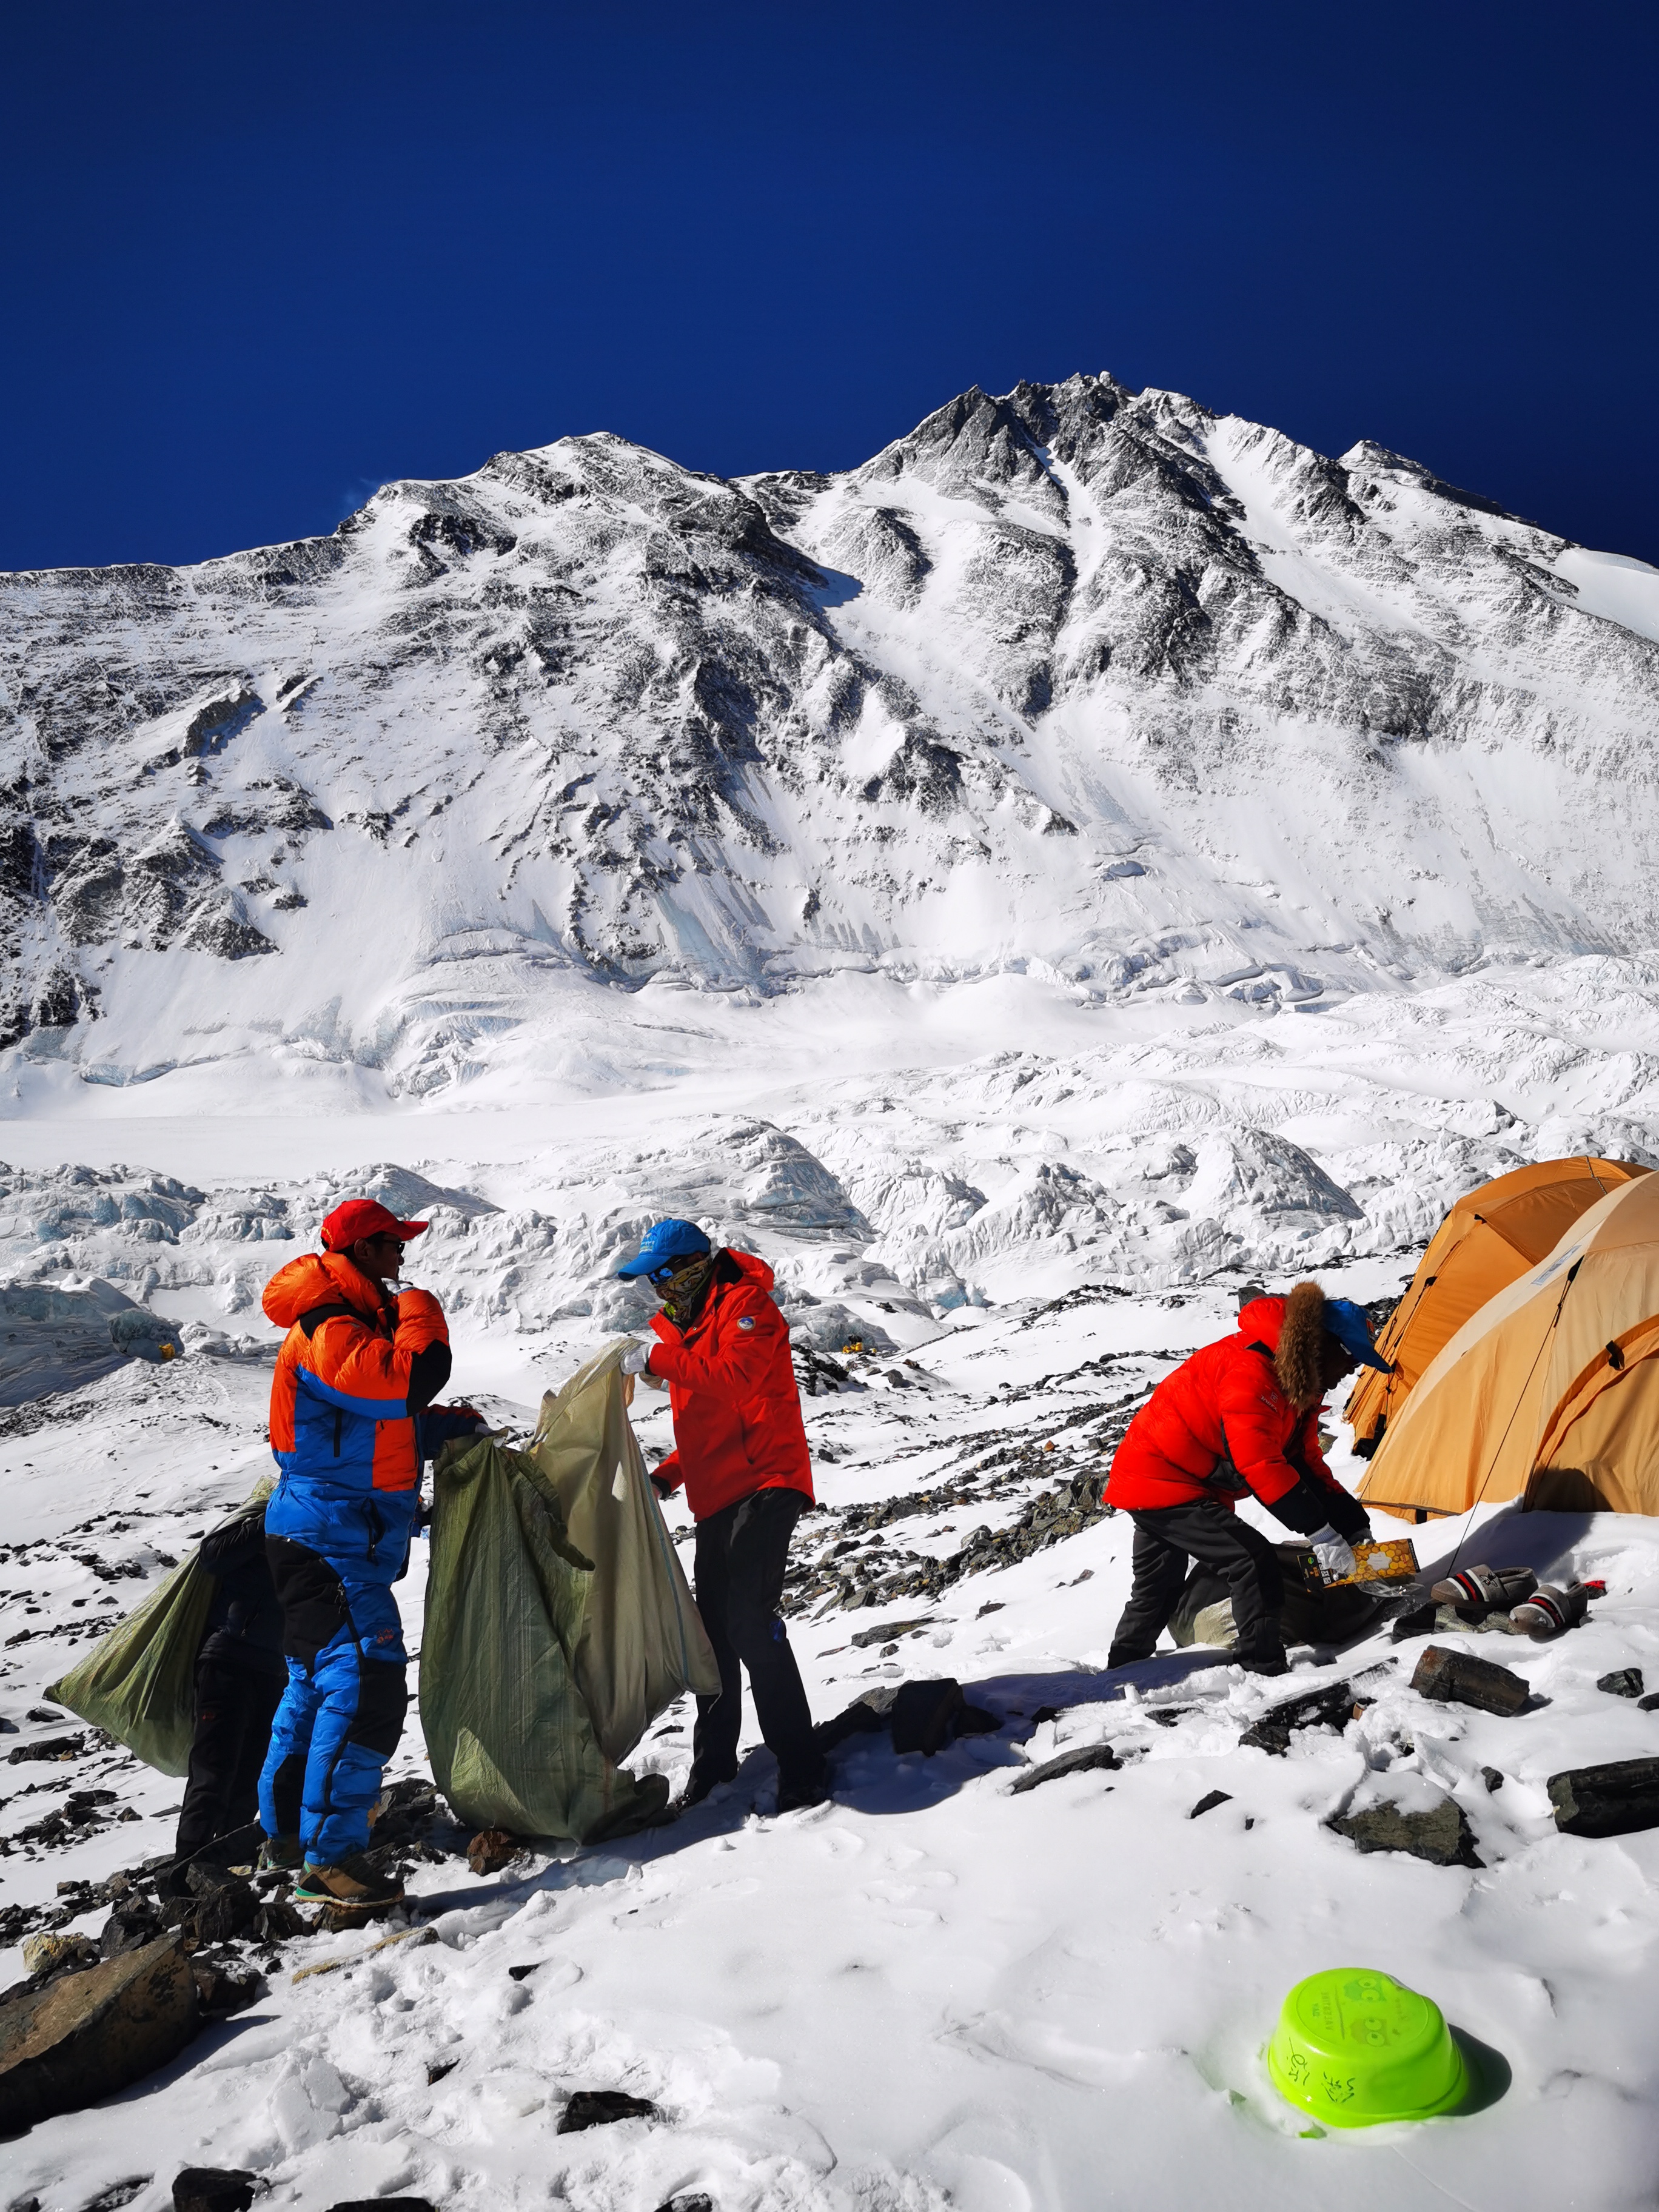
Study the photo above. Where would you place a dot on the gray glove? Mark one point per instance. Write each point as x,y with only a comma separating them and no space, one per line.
1334,1555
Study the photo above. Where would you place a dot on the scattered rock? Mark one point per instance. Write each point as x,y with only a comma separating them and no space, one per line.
1082,1759
1428,1619
1492,1778
119,2193
1208,1803
597,2108
49,1747
383,2204
1330,1707
1625,1682
924,1716
44,1713
87,2035
277,1922
1441,1834
1618,1799
491,1849
1458,1677
867,1715
223,1906
220,1990
47,1954
214,2188
130,1925
439,2067
523,1973
866,1637
696,2202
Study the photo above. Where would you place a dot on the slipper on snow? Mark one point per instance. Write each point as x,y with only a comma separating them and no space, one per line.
1493,1589
1550,1612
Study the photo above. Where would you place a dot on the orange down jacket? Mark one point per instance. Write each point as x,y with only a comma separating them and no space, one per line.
351,1374
1222,1405
738,1423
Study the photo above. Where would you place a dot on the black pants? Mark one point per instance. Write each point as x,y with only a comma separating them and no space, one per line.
740,1559
235,1707
1165,1538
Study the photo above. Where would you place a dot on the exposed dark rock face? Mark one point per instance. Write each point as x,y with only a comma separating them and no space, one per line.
615,715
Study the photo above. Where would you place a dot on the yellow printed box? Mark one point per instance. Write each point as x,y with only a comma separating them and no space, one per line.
1379,1560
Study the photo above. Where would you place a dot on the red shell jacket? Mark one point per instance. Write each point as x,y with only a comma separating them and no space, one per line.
1223,1403
342,1422
738,1424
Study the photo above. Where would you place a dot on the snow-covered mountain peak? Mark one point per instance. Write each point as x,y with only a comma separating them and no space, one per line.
1093,686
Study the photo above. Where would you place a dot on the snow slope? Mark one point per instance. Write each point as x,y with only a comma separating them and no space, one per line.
930,1993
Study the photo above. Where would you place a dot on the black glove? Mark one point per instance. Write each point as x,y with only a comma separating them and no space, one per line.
664,1488
1312,1506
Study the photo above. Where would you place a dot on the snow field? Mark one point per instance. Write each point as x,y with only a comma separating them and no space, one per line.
929,1992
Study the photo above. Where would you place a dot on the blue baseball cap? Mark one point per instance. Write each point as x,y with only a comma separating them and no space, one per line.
667,1244
1346,1323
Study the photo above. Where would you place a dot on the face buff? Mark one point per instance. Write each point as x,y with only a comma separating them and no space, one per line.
686,1288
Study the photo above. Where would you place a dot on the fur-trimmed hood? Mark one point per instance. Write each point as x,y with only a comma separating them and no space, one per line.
1292,1328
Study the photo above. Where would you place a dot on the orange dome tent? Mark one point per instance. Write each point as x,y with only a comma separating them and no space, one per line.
1487,1241
1552,1389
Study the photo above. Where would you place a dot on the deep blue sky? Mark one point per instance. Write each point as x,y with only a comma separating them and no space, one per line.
258,260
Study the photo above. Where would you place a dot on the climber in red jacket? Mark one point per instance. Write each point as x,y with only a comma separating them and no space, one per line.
722,1348
1239,1418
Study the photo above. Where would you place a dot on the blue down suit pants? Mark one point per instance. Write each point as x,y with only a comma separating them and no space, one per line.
342,1711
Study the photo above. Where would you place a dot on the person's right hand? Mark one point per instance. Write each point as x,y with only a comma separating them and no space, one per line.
1334,1555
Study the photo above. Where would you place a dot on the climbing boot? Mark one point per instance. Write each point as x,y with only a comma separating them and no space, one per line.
353,1883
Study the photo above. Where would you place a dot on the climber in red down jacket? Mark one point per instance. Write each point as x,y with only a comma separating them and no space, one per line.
1239,1418
722,1347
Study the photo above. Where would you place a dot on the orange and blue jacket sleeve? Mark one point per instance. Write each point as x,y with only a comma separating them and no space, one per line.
734,1360
352,1367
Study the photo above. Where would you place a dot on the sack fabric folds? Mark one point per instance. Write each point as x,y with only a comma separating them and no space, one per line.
138,1683
642,1642
543,1661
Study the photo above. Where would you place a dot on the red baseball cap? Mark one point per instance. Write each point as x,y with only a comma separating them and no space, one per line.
364,1217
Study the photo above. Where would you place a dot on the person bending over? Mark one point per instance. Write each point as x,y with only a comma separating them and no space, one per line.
740,1450
357,1372
1239,1418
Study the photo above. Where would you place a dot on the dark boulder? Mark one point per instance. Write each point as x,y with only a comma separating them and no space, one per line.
1625,1682
1440,1835
1082,1759
1459,1678
598,2108
214,2189
87,2035
1333,1706
1618,1799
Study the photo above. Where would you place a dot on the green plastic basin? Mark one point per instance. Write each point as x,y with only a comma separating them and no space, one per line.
1355,2047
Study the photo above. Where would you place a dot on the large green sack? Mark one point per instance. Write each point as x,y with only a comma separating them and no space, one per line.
507,1731
642,1642
138,1683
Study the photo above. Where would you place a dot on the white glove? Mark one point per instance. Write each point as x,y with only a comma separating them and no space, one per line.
1334,1555
637,1360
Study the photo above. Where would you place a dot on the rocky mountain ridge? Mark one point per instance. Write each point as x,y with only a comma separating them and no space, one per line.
1144,702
